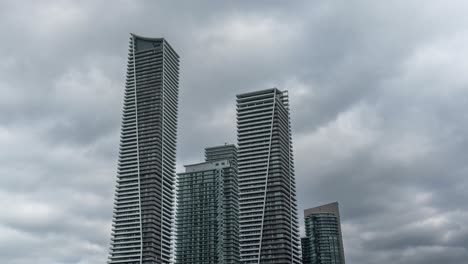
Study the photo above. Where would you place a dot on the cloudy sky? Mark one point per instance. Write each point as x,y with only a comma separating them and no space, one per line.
379,94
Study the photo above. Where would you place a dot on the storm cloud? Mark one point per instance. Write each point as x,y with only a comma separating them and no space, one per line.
379,93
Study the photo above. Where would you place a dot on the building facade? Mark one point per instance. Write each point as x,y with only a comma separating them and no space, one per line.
144,198
208,209
230,200
305,245
324,243
269,229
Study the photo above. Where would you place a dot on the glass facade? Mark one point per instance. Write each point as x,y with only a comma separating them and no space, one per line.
305,245
143,216
208,208
323,234
230,200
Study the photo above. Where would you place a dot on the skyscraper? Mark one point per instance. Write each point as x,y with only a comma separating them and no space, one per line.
269,229
230,199
144,196
324,243
305,245
208,209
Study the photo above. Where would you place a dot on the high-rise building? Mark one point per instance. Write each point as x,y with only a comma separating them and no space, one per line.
305,245
208,209
269,229
323,235
144,199
230,200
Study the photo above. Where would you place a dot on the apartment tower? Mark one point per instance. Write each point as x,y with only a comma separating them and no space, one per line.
323,243
208,209
143,215
269,229
305,246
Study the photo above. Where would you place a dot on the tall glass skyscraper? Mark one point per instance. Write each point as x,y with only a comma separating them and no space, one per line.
269,229
305,246
208,210
144,198
323,243
230,200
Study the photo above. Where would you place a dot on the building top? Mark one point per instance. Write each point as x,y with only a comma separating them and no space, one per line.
227,151
331,208
143,43
226,145
146,38
259,92
209,165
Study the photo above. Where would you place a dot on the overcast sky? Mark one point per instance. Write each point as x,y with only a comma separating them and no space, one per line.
379,94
